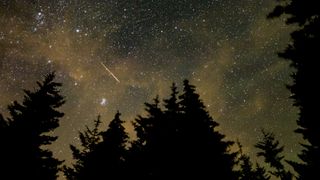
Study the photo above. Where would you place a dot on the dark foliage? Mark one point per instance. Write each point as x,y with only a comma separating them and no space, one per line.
271,150
102,153
303,53
247,171
180,141
27,130
89,140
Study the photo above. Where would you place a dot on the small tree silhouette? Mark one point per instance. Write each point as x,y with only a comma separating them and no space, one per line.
102,154
89,139
271,151
111,152
247,171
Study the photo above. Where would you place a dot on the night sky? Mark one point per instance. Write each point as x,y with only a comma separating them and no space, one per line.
227,48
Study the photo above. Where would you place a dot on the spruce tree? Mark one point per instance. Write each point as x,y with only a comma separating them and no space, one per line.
89,139
147,151
110,155
247,171
204,153
102,154
271,150
180,141
303,53
23,154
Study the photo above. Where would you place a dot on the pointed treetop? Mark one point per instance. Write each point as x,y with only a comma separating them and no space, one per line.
270,149
171,104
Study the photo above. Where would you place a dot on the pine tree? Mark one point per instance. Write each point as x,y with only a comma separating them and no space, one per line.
89,139
102,154
205,153
145,126
171,122
110,155
147,151
303,53
247,171
180,141
271,151
24,156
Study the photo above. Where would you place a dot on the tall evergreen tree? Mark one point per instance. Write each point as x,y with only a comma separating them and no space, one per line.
110,155
102,154
304,55
147,150
171,125
180,141
89,139
23,155
271,150
205,152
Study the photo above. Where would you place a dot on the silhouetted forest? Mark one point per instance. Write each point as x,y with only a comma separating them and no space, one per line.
303,54
177,138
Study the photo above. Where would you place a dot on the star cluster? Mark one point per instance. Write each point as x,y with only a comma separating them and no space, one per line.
228,49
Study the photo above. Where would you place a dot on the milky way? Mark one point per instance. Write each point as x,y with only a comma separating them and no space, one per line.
226,48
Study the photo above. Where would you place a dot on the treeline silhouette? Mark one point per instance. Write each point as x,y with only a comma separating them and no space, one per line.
177,138
303,54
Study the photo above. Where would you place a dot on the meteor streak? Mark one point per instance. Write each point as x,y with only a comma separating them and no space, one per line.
110,72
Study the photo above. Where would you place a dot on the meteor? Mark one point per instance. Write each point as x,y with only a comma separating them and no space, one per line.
110,72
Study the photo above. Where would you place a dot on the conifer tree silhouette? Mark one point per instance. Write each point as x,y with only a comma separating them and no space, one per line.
89,139
146,151
110,155
27,131
271,150
304,54
180,142
247,171
103,153
171,105
205,153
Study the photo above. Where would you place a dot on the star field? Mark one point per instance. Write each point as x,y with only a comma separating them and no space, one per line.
226,48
